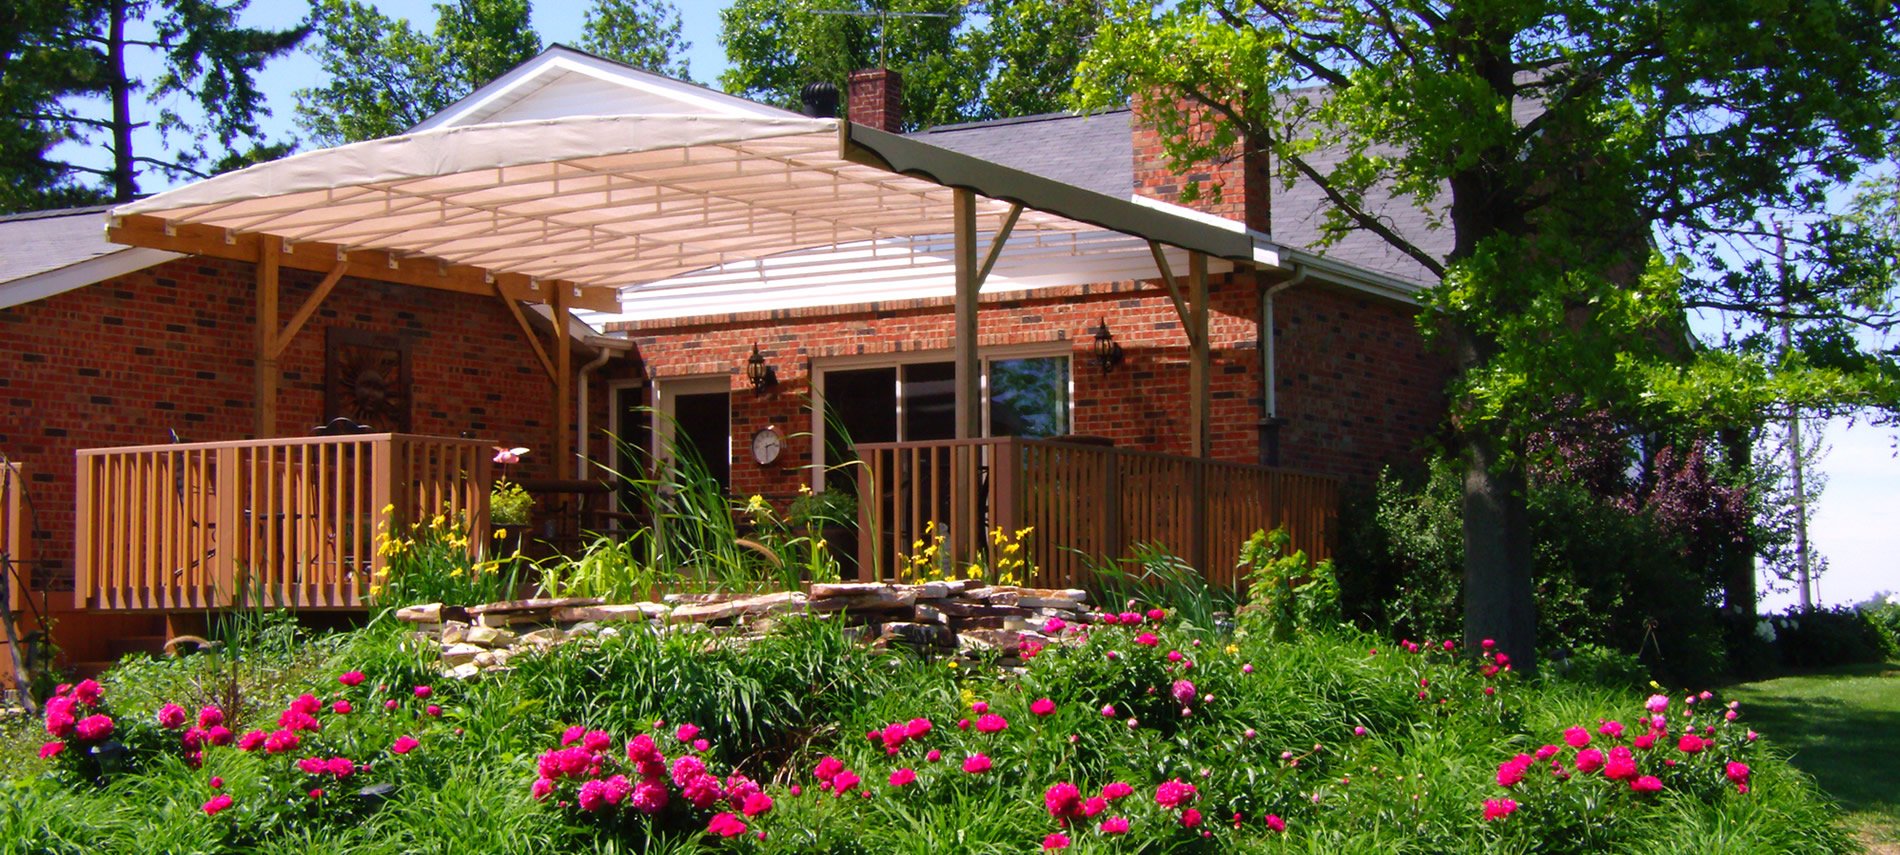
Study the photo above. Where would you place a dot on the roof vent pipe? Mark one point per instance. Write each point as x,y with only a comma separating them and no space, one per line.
820,100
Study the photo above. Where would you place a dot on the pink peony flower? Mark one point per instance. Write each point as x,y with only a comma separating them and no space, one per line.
1043,706
341,767
1275,823
1094,807
51,749
1157,615
216,782
1175,656
976,764
992,723
933,755
405,744
980,707
1691,744
686,732
171,716
1115,825
828,768
1190,818
94,727
701,745
1656,703
1496,809
391,705
1589,760
1183,692
649,797
1511,771
542,789
1147,639
87,693
903,777
217,803
297,720
1644,741
845,782
593,796
1054,626
423,691
281,741
432,711
1174,794
756,804
1646,784
313,766
350,678
1737,772
916,728
307,704
1108,710
1055,840
725,825
1576,737
1117,790
251,740
596,740
1063,800
342,708
1621,765
210,717
1611,729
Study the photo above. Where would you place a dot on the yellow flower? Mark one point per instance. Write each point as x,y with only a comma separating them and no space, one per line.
804,489
1233,649
439,522
820,544
375,590
456,573
951,664
389,509
500,533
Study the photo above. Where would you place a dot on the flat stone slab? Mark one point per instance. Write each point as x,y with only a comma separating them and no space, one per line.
457,654
869,598
619,612
540,604
783,601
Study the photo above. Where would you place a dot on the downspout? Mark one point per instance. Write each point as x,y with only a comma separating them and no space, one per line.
1270,420
581,460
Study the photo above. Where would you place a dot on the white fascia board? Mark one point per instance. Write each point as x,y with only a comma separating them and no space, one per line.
1357,278
72,277
524,79
1202,217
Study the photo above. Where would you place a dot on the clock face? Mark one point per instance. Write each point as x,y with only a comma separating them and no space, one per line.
766,445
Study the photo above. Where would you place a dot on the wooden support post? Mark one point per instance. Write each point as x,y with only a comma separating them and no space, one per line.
1199,366
563,379
269,249
969,409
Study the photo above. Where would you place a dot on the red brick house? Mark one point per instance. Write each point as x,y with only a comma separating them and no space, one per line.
941,290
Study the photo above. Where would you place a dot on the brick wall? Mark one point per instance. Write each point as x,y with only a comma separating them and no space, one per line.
122,361
1356,388
1244,179
875,98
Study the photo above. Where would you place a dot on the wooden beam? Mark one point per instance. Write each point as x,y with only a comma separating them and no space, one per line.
268,253
563,384
419,271
1200,366
527,331
1174,289
969,408
309,308
996,245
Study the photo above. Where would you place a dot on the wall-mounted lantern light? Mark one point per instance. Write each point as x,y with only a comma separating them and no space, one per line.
763,376
1108,351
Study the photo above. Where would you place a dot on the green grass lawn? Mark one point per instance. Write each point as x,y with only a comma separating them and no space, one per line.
1843,727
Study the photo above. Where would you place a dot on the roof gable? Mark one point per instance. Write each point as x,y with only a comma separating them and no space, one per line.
563,82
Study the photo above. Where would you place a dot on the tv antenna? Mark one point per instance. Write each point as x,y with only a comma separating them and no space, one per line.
883,17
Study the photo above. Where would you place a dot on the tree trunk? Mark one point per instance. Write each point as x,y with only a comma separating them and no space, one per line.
125,186
1499,603
1738,577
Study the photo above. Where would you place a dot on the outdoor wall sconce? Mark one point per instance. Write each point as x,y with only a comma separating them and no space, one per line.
763,376
1108,351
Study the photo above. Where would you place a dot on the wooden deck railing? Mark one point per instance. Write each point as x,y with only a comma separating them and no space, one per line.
276,522
1083,503
15,537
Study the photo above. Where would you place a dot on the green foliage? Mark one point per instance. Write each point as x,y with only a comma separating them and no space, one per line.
1885,617
1286,593
1605,576
641,33
1323,732
435,562
509,505
66,75
1152,574
384,77
970,61
1823,638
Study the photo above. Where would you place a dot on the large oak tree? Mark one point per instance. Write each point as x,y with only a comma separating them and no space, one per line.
1586,159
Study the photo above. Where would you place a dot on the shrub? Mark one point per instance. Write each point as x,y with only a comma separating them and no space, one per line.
1286,593
1822,638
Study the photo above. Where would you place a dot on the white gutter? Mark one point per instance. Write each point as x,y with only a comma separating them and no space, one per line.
608,348
1268,356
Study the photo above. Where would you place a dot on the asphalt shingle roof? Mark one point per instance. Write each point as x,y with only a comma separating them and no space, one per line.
40,241
1096,152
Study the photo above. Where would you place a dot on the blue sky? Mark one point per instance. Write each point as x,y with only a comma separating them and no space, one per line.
1857,525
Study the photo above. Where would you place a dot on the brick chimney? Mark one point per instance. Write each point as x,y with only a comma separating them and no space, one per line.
1245,180
876,99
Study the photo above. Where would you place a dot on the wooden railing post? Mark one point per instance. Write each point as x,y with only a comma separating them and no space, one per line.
85,522
228,538
384,516
15,540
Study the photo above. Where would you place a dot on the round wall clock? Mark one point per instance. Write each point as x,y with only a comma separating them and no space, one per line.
767,444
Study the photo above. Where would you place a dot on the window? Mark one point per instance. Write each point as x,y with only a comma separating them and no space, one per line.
1028,396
